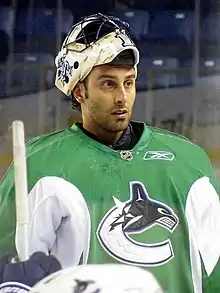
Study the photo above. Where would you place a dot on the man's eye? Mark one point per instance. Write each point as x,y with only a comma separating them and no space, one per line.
108,84
128,83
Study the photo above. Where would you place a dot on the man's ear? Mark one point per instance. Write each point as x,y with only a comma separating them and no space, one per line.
79,92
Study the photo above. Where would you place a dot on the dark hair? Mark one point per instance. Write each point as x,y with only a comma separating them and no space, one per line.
75,104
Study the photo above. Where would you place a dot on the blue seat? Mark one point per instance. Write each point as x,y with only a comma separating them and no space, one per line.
7,18
172,25
32,71
138,21
4,46
210,28
209,66
152,5
43,22
2,83
154,73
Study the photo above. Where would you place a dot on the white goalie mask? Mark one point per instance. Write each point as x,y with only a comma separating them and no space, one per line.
101,278
80,52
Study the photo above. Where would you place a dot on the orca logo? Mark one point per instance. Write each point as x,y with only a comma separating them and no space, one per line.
137,215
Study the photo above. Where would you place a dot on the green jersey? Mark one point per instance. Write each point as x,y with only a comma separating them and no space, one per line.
155,206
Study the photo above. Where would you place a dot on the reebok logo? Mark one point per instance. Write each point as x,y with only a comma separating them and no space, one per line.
158,155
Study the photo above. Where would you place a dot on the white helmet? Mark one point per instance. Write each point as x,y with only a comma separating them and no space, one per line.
96,40
102,278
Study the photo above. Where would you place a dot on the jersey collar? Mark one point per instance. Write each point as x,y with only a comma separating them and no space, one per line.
140,145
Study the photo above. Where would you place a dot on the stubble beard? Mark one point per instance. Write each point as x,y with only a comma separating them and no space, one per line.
115,125
110,125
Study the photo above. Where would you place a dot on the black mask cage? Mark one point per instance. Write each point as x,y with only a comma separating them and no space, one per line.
99,25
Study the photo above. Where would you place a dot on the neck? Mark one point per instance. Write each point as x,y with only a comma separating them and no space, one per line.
106,137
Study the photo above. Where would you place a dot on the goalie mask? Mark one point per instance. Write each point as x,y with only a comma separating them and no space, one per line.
96,40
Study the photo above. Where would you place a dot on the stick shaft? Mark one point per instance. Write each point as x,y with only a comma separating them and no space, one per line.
21,190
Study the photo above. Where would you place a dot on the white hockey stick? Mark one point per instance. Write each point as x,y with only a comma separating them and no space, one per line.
21,190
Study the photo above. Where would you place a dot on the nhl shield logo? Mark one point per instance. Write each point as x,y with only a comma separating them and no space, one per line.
126,155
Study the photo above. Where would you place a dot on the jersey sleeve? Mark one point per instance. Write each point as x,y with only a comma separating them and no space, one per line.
59,218
35,171
7,205
211,283
203,216
59,221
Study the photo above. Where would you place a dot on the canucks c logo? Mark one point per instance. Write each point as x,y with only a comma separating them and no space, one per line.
135,216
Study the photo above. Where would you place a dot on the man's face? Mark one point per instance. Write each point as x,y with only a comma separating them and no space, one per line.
109,97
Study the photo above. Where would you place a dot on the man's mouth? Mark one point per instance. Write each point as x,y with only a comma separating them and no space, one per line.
120,113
